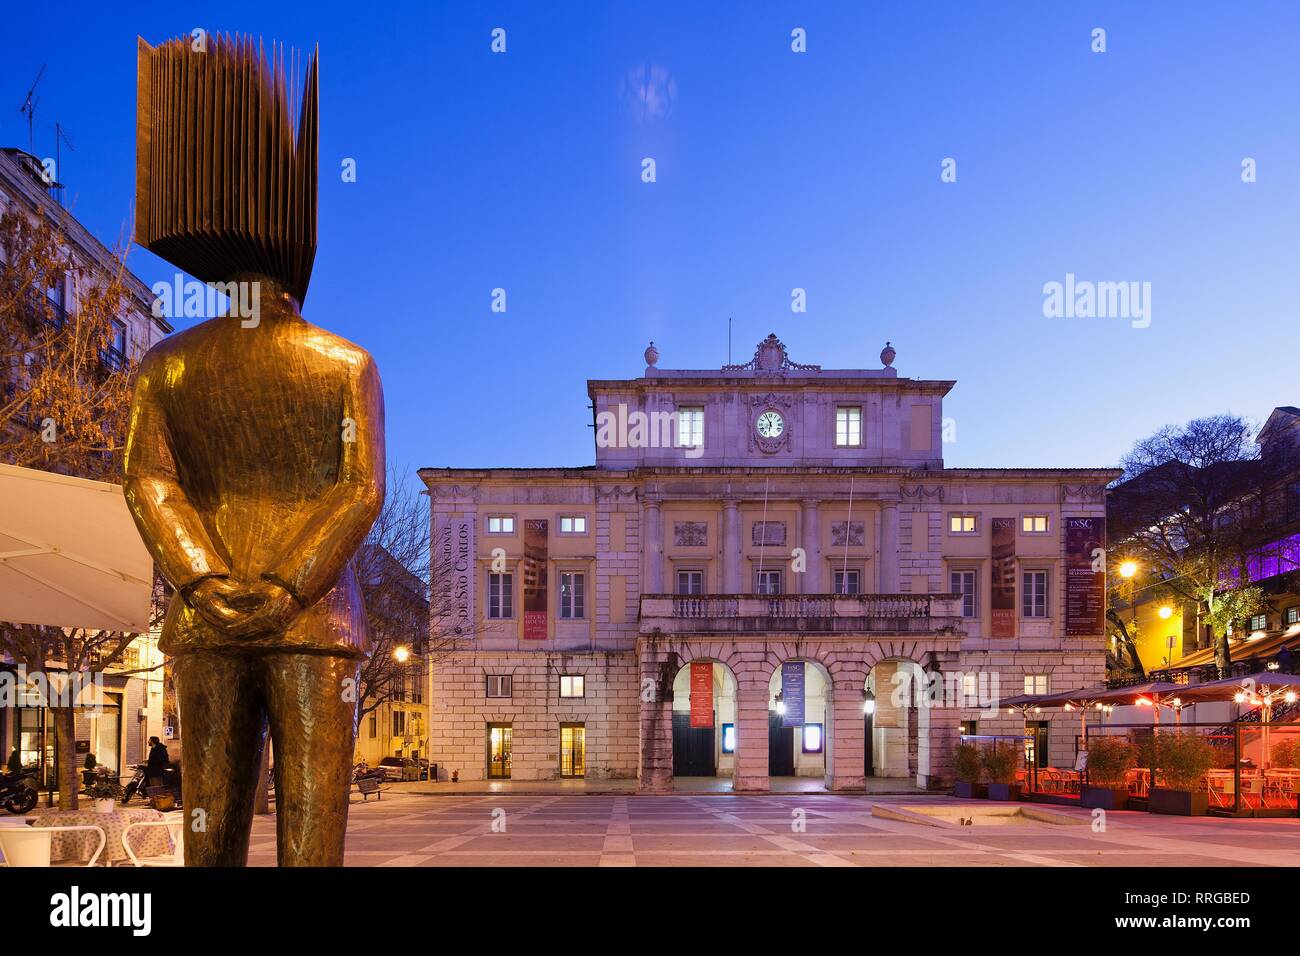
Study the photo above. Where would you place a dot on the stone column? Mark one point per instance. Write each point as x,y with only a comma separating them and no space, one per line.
655,761
939,730
751,732
654,547
888,547
812,546
846,730
731,570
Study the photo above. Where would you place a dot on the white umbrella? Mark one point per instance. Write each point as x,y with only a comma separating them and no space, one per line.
70,555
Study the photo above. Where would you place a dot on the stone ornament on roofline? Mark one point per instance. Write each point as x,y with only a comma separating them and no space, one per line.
771,358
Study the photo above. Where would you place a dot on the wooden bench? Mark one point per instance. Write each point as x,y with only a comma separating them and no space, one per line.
369,785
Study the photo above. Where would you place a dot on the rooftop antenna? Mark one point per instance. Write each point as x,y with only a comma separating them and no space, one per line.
728,340
60,136
28,109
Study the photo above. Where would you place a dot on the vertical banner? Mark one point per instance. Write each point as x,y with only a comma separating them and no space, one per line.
536,545
792,693
701,693
1085,584
1003,603
453,576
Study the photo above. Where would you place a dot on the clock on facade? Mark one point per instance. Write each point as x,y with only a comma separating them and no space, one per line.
770,424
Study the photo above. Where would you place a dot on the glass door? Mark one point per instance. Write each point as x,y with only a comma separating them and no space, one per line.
573,750
499,751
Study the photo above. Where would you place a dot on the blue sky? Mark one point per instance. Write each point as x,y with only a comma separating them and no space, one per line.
775,171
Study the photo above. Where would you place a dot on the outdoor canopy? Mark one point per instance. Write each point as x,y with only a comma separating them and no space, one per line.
70,555
1265,686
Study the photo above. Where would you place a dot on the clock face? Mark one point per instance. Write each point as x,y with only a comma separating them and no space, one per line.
770,424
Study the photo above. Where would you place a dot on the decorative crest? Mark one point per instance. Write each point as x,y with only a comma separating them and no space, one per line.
770,358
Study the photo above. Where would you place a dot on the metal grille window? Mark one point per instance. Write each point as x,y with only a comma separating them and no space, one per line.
1034,594
572,594
501,595
690,582
848,426
847,581
963,583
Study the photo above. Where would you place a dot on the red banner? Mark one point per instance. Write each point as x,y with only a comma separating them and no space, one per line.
701,693
1003,603
536,552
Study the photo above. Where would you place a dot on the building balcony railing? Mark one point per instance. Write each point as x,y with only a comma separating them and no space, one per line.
804,613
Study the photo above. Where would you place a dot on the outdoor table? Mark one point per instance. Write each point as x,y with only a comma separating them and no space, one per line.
1141,783
80,844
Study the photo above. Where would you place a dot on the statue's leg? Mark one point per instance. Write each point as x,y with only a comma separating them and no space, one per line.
313,726
223,727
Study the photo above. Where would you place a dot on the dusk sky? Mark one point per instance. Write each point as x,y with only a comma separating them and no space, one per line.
776,170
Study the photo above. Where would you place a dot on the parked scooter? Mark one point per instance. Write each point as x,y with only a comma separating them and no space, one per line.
18,791
171,779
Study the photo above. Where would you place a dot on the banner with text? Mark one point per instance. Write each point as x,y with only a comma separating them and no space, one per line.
453,576
1003,571
701,693
792,693
1085,577
536,553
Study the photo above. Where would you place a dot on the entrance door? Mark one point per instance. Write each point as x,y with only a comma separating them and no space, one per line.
1036,751
499,751
573,750
692,749
780,747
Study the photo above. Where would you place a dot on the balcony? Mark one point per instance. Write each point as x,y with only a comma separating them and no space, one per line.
801,613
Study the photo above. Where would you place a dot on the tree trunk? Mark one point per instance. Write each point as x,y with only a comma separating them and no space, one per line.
65,745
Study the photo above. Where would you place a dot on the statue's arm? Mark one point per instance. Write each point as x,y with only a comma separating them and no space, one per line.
312,560
172,529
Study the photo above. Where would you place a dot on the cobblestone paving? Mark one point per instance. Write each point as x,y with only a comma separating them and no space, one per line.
785,830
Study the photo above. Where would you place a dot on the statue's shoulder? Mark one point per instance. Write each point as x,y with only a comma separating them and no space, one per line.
337,348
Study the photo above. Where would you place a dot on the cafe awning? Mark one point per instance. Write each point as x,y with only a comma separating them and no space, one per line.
70,555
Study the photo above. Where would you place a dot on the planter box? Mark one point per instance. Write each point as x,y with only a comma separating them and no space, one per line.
1004,791
1104,798
1178,802
971,791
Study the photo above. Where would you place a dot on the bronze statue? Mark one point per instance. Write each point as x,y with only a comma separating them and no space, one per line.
255,458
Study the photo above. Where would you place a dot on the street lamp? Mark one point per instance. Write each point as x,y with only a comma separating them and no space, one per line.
401,653
1128,569
1166,612
869,709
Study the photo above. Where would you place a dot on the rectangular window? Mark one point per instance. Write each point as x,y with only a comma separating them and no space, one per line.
963,583
501,524
1292,615
848,426
690,426
812,738
572,594
963,524
690,582
399,723
501,595
1036,684
571,685
847,581
374,726
767,582
1034,594
1259,622
728,738
115,356
1033,524
500,685
573,524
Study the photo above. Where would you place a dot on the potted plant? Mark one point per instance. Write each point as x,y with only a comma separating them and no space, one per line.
88,770
1181,762
999,762
966,768
104,790
1109,760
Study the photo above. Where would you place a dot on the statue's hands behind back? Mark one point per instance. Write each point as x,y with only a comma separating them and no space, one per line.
244,610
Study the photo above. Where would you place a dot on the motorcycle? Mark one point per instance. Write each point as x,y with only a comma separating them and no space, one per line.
18,791
171,780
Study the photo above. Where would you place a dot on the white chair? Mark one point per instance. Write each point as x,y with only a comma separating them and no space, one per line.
175,825
30,846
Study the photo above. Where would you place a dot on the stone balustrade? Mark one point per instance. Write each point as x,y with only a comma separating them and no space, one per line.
802,613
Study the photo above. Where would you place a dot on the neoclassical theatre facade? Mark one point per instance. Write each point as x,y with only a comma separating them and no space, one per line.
768,572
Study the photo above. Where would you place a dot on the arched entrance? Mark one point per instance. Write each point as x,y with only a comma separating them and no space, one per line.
895,725
799,726
704,724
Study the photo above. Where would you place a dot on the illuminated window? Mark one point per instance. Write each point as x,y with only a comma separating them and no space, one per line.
963,583
847,582
573,524
1292,615
812,738
848,426
970,686
1033,594
1033,524
1036,684
571,685
1259,622
963,524
690,426
728,738
573,587
501,524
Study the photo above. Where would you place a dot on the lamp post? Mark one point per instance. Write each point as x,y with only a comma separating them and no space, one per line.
869,715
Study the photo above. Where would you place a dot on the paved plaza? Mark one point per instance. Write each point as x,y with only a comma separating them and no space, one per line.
777,830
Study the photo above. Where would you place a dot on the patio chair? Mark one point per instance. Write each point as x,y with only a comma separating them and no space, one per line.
1252,790
30,846
175,824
